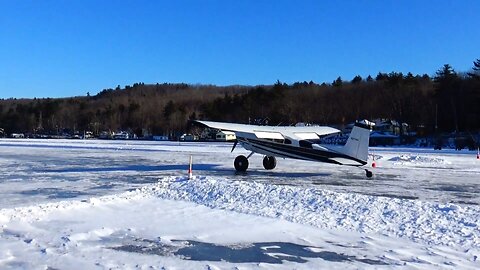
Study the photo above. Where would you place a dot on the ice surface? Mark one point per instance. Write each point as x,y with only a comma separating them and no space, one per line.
91,204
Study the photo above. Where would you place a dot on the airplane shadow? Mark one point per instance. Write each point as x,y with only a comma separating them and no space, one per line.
277,174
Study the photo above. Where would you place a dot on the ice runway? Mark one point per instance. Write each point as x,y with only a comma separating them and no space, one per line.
127,204
57,169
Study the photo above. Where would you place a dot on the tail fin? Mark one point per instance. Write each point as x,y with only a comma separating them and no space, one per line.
357,143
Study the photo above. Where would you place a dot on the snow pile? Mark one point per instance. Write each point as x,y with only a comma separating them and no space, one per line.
414,159
364,231
38,212
374,156
432,223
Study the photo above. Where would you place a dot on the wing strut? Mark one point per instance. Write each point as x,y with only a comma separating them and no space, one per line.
234,144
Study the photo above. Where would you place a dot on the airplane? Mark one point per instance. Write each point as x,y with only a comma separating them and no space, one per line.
297,143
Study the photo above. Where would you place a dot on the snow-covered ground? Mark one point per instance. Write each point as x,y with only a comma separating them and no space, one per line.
92,204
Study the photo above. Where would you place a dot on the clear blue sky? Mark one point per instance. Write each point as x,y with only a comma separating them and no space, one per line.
68,48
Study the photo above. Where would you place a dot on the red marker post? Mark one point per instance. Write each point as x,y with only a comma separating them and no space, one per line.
190,174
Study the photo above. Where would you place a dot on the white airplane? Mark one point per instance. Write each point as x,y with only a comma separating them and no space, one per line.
297,143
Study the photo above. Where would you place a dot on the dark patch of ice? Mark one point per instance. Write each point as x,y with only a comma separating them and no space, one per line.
104,186
265,252
140,168
397,196
53,193
455,188
463,202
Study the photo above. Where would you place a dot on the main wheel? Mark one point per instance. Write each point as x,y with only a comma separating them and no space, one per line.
368,173
241,163
269,162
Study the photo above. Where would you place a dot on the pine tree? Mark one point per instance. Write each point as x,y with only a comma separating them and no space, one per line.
475,70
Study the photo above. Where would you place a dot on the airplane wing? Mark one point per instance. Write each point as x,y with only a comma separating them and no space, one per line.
273,132
296,143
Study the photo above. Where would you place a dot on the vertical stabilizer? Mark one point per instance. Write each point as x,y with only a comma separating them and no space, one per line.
357,143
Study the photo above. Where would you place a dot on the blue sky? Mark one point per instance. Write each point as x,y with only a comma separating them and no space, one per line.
68,48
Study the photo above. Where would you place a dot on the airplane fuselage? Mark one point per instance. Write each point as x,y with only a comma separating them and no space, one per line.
310,152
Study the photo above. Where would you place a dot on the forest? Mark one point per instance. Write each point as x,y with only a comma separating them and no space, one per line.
447,101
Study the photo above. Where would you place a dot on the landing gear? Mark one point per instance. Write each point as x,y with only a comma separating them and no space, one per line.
269,162
368,173
241,163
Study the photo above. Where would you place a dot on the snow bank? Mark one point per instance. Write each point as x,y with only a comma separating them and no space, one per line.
425,222
38,212
405,159
389,231
432,223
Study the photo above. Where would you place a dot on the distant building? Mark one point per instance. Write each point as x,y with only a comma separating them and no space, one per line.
225,136
17,135
387,126
160,138
188,138
208,134
122,135
382,139
88,135
389,132
105,135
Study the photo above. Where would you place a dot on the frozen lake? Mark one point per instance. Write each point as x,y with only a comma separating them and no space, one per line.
127,204
42,170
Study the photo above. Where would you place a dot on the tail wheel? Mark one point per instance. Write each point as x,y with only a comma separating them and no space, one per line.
241,163
269,162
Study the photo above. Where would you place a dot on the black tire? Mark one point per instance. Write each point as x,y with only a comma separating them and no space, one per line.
269,162
241,163
369,173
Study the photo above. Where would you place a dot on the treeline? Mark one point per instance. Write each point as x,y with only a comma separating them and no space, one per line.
447,102
154,109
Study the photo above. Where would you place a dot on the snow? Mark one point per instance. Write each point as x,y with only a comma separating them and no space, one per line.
405,159
455,225
95,204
